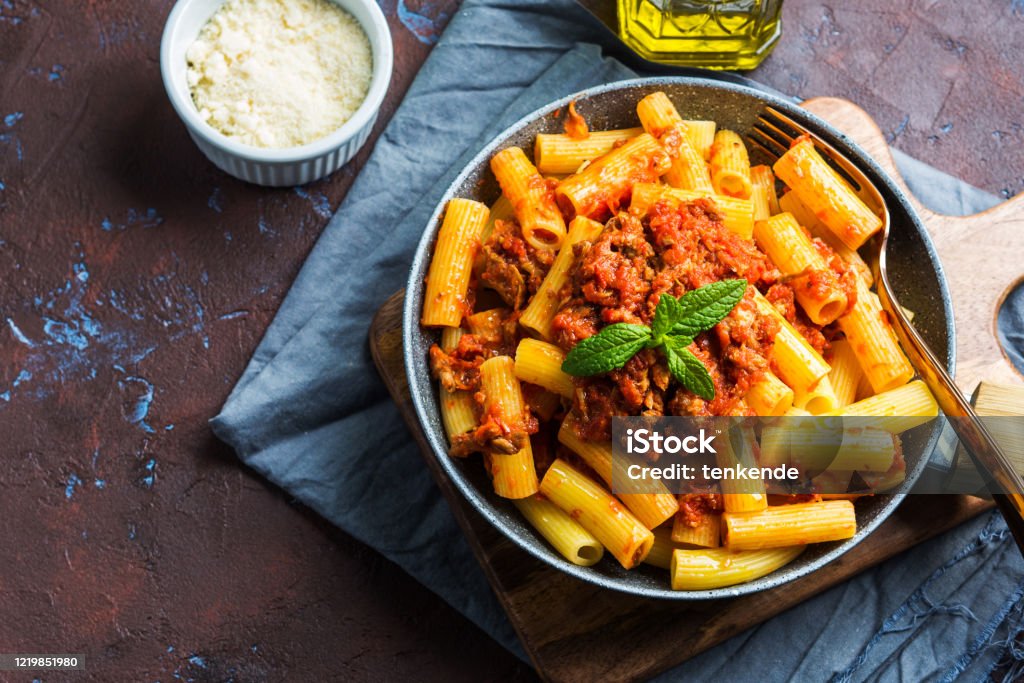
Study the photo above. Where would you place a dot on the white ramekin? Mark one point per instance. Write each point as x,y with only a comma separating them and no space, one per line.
276,167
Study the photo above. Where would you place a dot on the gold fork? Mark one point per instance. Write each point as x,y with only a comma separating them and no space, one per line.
773,133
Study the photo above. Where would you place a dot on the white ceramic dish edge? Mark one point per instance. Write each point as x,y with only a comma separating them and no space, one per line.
274,167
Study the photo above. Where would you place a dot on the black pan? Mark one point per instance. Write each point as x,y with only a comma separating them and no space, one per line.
915,270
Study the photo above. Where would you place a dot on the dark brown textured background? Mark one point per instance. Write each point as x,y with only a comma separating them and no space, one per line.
136,280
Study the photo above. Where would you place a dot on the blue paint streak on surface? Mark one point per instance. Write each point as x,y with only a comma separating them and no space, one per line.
6,396
321,205
419,23
150,478
131,531
100,483
140,408
2,186
264,227
12,119
11,139
19,335
69,490
69,334
233,314
23,376
946,128
170,648
168,428
216,200
116,299
150,218
56,72
198,661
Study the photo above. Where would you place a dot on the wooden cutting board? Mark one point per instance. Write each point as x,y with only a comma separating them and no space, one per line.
573,631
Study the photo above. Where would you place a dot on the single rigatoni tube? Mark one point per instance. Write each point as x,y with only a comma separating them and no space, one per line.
606,183
540,363
769,396
660,554
696,570
796,361
557,153
458,240
730,166
539,313
766,201
845,374
514,475
815,284
737,214
902,408
736,451
704,535
598,512
874,342
565,534
660,118
531,197
819,399
457,414
790,203
450,337
783,526
487,324
501,210
865,450
652,508
827,196
702,136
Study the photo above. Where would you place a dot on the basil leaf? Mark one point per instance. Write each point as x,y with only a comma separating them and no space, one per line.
688,369
705,307
607,350
666,315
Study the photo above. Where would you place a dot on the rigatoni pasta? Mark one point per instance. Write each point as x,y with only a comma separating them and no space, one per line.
559,153
598,512
539,312
660,210
511,464
660,118
444,301
564,533
531,197
825,193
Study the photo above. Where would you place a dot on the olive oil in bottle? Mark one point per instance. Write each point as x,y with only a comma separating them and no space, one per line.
708,33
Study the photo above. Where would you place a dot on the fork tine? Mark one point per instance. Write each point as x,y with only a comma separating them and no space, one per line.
781,124
784,128
767,142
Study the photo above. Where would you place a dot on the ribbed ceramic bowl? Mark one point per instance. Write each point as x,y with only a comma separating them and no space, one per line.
915,271
274,167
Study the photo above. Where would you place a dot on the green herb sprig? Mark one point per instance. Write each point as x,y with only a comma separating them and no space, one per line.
676,323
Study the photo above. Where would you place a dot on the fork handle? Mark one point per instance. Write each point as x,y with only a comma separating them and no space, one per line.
988,457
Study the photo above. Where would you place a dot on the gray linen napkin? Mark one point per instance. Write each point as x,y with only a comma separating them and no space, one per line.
311,414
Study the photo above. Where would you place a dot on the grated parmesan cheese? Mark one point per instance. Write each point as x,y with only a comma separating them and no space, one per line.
279,73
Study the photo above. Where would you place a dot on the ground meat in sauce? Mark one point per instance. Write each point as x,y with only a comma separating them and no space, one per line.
693,507
511,266
782,297
620,278
459,369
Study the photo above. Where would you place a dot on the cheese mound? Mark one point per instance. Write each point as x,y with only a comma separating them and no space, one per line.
279,73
